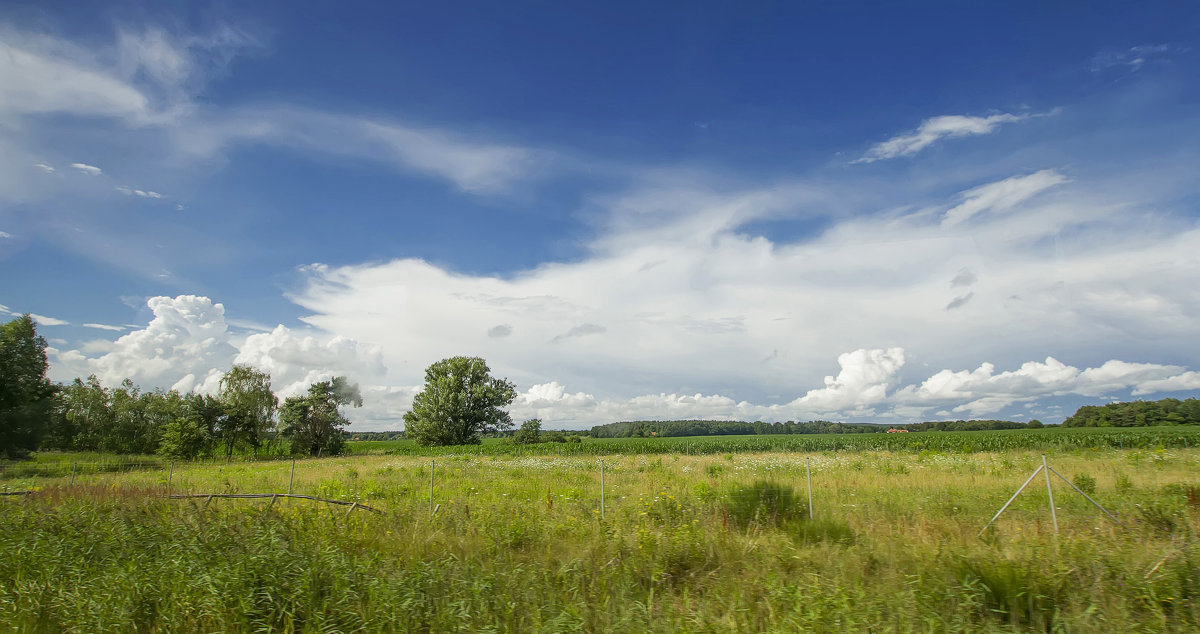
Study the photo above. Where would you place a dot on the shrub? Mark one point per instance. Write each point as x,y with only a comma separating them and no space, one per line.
764,502
1085,483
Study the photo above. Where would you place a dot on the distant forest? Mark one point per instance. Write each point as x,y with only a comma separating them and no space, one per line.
1168,411
720,428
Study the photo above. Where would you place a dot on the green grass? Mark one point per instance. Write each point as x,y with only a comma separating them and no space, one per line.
518,544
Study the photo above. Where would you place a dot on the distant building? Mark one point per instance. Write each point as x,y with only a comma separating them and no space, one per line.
897,431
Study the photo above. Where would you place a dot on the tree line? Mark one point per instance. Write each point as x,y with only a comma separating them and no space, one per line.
1168,411
244,416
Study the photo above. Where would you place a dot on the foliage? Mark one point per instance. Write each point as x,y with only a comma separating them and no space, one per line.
1085,483
313,422
249,407
1050,438
1168,411
529,433
764,503
25,393
460,401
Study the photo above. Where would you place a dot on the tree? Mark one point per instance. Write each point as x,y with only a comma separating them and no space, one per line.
249,407
26,396
460,401
529,433
313,422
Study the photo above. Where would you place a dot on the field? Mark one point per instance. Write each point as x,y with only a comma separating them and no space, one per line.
694,540
1051,438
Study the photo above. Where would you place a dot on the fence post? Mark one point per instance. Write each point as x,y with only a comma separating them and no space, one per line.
170,474
601,489
432,466
1050,490
292,477
808,471
72,482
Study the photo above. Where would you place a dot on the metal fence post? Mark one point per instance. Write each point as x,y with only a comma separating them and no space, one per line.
1050,490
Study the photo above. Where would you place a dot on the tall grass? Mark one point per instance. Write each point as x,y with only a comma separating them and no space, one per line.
518,544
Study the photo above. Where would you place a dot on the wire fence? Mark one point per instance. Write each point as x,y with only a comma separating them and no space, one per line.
458,488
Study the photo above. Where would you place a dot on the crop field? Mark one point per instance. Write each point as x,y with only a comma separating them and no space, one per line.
621,542
1053,438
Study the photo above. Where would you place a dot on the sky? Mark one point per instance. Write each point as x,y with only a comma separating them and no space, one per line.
864,212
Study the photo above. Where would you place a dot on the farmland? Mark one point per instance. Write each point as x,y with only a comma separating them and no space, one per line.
1052,438
680,541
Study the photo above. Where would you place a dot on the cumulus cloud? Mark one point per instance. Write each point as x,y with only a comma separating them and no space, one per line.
502,330
188,346
90,170
935,129
983,391
297,360
187,337
863,381
5,234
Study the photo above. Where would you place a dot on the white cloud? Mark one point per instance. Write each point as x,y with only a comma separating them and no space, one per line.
45,168
935,129
1002,196
297,360
982,391
43,320
5,234
863,381
129,191
90,170
1177,383
104,327
40,75
472,165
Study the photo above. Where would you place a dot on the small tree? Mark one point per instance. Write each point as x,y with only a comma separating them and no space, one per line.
313,422
26,396
529,433
249,407
460,401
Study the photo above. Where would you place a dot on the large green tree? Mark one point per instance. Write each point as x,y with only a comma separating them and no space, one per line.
26,396
313,422
460,401
249,407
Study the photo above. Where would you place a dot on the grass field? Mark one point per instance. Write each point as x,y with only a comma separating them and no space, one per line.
686,543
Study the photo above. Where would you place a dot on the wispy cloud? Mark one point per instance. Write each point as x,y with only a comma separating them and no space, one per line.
45,168
935,129
104,327
1001,195
5,234
129,191
90,170
43,320
1134,58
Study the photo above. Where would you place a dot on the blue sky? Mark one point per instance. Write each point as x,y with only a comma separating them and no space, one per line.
712,210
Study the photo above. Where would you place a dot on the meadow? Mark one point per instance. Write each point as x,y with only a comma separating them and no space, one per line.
685,541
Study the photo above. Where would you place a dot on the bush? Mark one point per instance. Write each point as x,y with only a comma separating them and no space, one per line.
1085,482
764,503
